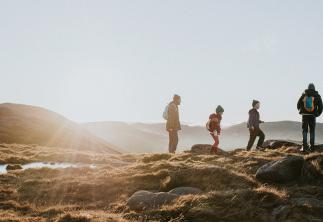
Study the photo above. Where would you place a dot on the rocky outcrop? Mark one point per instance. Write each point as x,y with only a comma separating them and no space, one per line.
143,199
205,149
281,171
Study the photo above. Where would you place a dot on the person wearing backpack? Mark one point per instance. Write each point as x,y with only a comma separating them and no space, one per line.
254,126
310,107
173,125
214,127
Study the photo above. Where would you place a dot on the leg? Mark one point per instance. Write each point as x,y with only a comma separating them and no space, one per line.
305,131
175,141
252,139
214,148
261,135
171,142
312,125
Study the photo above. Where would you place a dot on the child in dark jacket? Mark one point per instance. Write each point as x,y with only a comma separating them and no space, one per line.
254,126
214,127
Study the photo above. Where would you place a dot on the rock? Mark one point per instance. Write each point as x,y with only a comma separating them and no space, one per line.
146,200
280,213
141,200
185,191
275,144
205,149
163,198
14,167
308,202
313,168
281,171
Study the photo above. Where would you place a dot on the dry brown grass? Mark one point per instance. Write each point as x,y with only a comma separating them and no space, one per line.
230,191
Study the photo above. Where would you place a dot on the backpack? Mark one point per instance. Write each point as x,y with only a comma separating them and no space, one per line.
309,104
165,113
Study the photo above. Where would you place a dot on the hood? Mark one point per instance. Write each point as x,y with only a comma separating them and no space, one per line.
311,92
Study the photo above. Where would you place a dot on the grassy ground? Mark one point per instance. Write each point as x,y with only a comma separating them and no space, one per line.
230,191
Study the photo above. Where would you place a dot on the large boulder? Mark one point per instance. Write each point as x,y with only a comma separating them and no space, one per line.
205,149
281,171
141,200
313,168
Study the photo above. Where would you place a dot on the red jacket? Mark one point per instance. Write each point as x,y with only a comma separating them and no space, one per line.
215,123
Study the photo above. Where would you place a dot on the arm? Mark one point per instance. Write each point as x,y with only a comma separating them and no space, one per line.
300,102
319,106
252,120
171,117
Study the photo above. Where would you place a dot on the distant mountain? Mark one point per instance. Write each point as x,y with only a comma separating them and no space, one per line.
144,137
34,125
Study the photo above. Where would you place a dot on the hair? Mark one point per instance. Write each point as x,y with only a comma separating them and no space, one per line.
176,97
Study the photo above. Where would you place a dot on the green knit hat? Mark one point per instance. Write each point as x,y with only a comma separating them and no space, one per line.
219,109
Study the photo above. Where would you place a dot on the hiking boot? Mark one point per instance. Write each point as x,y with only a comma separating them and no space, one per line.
312,149
259,148
304,149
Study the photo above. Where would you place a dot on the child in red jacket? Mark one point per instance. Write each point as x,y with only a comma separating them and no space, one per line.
214,126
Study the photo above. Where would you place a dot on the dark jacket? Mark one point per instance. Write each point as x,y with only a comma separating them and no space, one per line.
254,119
173,118
317,103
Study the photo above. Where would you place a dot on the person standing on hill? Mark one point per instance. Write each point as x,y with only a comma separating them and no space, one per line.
310,107
173,125
254,126
214,126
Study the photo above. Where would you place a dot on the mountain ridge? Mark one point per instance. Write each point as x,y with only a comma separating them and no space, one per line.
152,137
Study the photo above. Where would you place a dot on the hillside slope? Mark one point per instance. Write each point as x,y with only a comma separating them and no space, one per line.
230,190
34,125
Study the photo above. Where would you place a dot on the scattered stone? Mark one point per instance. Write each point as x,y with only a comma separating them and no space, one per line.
281,171
186,191
276,144
14,167
162,198
143,199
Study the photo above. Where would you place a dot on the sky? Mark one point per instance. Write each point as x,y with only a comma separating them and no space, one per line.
122,60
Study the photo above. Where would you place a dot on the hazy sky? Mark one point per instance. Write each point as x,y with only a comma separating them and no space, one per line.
123,60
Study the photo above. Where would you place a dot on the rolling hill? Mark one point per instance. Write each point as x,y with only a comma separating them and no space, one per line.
144,137
25,124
